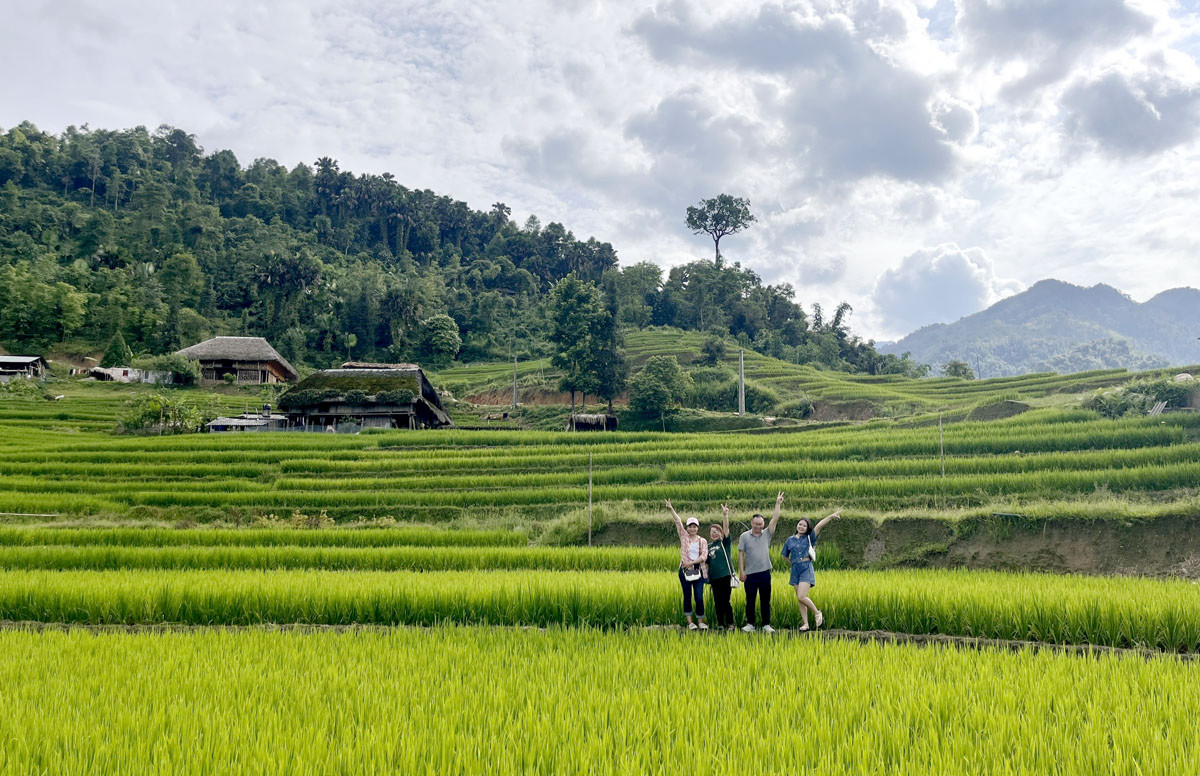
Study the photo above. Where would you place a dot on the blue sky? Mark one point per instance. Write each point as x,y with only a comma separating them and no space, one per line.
918,158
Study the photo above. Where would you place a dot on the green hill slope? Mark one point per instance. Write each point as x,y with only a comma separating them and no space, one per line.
836,395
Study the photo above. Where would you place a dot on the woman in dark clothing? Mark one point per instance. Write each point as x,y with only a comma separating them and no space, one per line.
720,569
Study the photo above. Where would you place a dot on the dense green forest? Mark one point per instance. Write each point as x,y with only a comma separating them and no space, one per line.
143,233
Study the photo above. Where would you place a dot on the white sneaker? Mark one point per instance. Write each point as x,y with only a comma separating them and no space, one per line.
748,628
703,625
691,626
767,629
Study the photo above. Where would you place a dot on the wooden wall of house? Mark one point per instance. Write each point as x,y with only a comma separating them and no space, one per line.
247,372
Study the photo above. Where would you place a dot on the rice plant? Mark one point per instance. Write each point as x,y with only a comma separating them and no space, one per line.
1048,608
467,700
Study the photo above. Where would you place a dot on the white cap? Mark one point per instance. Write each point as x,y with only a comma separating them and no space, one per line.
693,521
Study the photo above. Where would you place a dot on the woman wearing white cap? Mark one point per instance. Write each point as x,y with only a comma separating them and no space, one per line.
693,554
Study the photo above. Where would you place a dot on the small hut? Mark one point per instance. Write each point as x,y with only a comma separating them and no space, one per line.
129,374
251,361
365,395
590,422
29,367
251,421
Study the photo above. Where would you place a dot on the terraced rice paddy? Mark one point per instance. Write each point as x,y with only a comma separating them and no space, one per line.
466,649
896,392
520,477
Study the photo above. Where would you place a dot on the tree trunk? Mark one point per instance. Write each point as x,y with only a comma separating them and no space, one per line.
662,416
572,409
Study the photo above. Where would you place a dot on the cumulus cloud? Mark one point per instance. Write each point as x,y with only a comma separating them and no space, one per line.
937,285
1133,115
695,150
845,109
1047,36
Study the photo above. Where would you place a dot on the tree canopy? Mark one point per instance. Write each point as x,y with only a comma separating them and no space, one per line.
718,217
145,234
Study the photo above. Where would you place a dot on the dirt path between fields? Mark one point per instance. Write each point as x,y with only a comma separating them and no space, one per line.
872,636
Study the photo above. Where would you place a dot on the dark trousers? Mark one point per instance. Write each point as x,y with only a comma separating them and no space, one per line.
692,590
758,585
721,592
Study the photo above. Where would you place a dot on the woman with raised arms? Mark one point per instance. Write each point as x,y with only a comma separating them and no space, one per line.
693,554
800,550
720,569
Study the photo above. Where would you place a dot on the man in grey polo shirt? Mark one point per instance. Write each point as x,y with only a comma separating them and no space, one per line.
754,566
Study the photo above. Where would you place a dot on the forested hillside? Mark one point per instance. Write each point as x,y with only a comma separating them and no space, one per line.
144,233
1060,327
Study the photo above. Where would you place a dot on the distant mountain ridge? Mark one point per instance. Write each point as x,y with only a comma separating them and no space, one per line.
1060,327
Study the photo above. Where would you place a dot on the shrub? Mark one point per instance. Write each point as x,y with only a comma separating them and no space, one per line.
297,398
174,414
183,370
1138,397
712,374
723,397
1173,393
400,396
801,407
20,388
712,351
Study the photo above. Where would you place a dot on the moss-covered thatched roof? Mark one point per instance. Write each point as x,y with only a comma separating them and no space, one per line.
369,381
367,384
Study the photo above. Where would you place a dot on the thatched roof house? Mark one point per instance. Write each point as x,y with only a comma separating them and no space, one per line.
365,395
251,360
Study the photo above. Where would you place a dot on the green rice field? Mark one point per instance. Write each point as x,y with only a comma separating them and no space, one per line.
250,577
471,700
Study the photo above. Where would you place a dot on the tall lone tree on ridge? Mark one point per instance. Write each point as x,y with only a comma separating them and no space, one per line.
720,216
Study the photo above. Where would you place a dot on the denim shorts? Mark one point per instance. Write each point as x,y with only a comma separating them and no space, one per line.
803,572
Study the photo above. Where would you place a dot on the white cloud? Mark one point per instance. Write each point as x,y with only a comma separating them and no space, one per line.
1046,38
936,285
1133,114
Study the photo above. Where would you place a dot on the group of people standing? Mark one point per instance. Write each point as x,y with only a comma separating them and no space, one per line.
708,562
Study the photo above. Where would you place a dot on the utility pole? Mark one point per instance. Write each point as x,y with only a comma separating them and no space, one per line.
514,381
589,499
942,445
741,382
